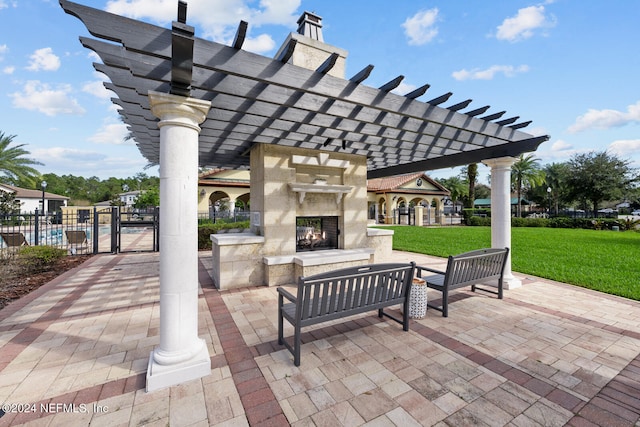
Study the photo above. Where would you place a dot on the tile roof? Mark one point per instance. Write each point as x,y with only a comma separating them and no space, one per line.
25,193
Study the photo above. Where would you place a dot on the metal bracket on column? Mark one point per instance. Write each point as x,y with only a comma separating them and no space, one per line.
182,38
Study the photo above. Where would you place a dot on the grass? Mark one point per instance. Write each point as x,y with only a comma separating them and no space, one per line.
605,261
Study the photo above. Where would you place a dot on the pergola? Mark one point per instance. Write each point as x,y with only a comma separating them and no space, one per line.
191,102
255,99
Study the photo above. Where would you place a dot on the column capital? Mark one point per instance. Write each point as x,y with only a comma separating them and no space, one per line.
178,110
501,162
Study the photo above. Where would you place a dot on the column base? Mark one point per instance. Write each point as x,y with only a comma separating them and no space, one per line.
163,376
511,282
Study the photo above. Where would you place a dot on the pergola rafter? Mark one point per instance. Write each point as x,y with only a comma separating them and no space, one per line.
256,99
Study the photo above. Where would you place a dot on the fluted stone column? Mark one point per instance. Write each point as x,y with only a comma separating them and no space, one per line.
501,212
182,355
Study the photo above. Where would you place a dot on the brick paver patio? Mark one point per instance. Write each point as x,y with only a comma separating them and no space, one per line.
75,352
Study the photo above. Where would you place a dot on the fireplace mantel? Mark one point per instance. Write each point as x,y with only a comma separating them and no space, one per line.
303,189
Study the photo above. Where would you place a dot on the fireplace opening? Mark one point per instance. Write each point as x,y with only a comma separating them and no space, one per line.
316,233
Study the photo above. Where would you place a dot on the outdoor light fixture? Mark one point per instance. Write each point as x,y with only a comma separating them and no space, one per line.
43,184
549,197
202,193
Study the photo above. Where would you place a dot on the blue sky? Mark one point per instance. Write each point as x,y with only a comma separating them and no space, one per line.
570,66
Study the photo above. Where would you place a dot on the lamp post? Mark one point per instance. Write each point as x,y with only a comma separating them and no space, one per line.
549,197
43,184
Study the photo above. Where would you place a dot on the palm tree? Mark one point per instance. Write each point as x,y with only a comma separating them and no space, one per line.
525,173
456,188
472,176
13,163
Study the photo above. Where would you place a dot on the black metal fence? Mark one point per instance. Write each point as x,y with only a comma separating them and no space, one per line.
224,216
82,230
75,231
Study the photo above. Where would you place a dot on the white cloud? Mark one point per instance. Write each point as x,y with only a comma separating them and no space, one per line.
112,133
97,89
44,59
38,96
561,145
489,73
404,88
67,155
94,57
218,19
524,24
3,49
625,147
8,70
420,28
281,12
161,11
605,119
61,160
260,44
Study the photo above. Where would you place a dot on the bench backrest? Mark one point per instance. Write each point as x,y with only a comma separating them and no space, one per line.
353,290
470,267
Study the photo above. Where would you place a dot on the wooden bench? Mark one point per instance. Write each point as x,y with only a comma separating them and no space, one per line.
341,293
469,268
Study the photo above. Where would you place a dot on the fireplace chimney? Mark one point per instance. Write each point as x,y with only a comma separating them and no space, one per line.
310,25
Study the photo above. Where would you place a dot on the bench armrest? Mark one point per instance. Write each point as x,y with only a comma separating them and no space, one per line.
431,270
288,295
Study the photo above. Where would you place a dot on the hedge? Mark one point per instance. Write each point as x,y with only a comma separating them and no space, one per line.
562,222
206,230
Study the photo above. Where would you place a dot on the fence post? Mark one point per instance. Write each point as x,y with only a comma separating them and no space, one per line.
115,236
96,229
36,230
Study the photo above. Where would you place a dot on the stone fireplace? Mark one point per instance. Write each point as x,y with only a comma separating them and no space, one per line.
308,215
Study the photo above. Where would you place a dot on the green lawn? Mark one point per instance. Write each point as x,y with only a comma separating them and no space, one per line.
606,261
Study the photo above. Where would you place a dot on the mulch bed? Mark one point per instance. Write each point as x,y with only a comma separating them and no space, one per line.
17,281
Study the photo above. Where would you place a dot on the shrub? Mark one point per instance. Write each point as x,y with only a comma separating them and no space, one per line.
529,222
562,222
39,258
468,213
206,230
629,224
479,221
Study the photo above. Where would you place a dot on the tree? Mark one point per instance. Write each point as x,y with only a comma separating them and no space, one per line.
599,176
472,177
456,188
8,203
556,177
148,198
525,174
13,163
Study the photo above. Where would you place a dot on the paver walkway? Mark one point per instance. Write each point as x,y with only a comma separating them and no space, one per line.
75,352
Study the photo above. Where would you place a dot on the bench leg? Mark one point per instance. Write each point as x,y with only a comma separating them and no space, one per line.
280,321
296,346
445,303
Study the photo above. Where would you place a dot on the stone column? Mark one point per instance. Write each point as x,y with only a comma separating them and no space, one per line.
419,215
501,212
182,355
232,206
